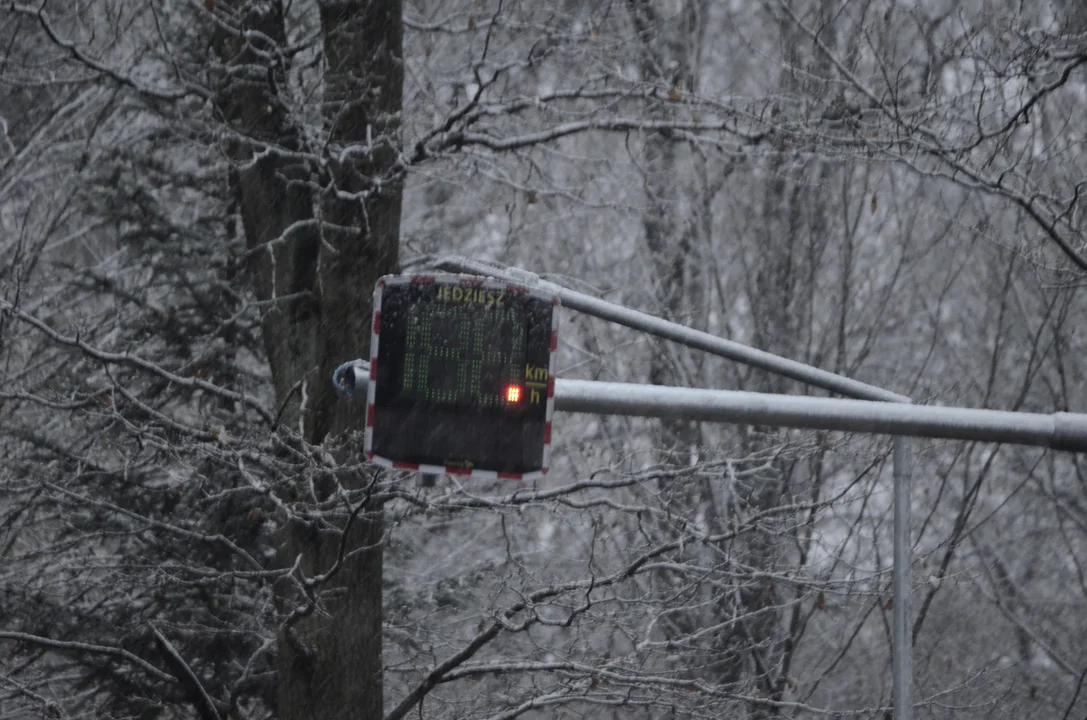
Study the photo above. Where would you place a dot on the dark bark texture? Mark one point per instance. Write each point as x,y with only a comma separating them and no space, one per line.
320,234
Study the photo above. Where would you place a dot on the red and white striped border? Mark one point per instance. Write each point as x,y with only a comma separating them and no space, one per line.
465,281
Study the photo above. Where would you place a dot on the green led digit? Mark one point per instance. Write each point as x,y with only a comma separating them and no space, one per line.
427,355
461,354
413,354
409,371
437,350
494,354
470,335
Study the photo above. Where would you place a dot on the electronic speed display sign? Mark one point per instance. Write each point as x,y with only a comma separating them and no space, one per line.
461,376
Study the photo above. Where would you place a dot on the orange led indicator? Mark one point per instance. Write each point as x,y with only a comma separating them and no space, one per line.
513,393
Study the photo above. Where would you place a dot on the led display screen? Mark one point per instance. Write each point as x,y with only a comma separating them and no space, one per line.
461,375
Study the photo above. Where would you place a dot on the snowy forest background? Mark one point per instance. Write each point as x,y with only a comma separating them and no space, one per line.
196,199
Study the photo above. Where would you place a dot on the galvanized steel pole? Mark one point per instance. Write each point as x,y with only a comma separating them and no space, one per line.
902,612
690,337
1059,431
902,645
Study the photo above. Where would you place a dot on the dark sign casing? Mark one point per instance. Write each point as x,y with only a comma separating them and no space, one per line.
461,376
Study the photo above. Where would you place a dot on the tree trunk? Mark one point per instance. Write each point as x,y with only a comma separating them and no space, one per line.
330,665
274,200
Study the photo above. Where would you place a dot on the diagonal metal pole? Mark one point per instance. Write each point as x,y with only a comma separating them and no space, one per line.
690,337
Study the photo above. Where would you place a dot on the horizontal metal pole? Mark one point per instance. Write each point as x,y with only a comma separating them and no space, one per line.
1060,431
679,333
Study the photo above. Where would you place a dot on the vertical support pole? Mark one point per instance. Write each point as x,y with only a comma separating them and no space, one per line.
901,633
901,616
